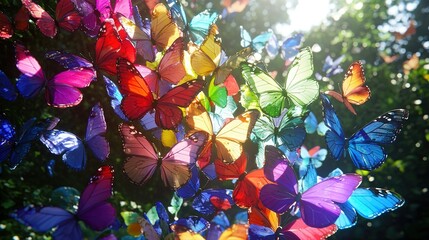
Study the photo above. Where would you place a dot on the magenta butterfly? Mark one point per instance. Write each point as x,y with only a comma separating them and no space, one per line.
60,91
144,160
317,205
93,209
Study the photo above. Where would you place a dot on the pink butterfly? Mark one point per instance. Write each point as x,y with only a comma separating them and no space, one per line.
144,160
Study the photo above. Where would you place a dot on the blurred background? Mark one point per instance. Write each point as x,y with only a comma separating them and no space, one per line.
391,38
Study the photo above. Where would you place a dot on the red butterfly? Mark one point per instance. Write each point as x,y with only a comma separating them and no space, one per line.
66,15
110,46
20,23
247,188
138,98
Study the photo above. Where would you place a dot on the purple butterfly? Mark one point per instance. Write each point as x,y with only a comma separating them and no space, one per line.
93,210
68,60
318,205
61,91
94,12
72,148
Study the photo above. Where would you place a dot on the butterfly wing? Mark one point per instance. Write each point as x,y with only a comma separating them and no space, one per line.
164,31
247,189
107,47
289,48
7,89
318,204
211,200
300,88
270,93
175,166
68,60
365,147
189,189
168,114
67,16
264,128
335,138
45,218
138,99
372,202
61,142
231,171
142,162
115,96
348,216
291,131
32,80
297,230
171,66
45,22
6,27
230,139
93,208
207,58
63,89
95,131
200,25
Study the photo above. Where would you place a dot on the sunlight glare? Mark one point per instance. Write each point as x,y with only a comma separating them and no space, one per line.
304,16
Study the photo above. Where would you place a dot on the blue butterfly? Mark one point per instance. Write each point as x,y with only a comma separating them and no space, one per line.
194,223
199,26
258,43
368,203
218,224
364,146
288,49
213,200
311,159
7,89
331,67
72,148
14,145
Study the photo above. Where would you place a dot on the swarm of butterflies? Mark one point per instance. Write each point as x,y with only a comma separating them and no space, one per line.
190,115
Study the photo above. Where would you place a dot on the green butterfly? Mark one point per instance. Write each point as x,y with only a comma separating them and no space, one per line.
300,89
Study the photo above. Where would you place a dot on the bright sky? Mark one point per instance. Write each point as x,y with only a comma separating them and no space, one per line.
308,13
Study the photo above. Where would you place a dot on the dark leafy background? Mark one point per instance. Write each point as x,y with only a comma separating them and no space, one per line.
356,34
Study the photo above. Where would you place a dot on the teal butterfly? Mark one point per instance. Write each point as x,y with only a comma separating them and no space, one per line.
299,89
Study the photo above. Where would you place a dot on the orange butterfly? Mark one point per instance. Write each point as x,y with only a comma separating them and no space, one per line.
411,30
262,216
354,90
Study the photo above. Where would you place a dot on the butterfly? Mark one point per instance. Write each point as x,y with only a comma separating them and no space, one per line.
354,90
331,67
72,147
61,91
318,205
257,43
288,49
144,160
66,15
295,230
14,145
411,64
311,159
286,130
262,216
110,46
138,99
139,32
211,201
206,58
20,23
198,28
225,144
365,145
411,30
93,209
299,88
170,67
164,31
7,89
